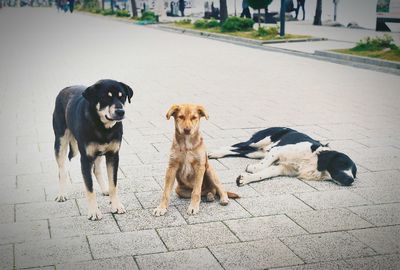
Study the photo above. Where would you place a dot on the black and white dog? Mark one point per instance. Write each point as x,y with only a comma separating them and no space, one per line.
286,152
88,120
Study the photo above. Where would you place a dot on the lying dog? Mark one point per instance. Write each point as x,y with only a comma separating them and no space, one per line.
88,119
188,162
286,152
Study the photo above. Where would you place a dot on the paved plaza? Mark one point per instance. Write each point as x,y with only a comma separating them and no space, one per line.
283,223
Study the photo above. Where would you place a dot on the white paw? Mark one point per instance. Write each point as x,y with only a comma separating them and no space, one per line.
193,209
159,211
117,208
61,198
224,201
210,197
251,168
214,155
240,180
94,214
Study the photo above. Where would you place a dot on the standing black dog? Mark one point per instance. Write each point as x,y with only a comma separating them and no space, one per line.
88,119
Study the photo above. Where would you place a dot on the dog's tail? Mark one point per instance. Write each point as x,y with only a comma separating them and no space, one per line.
232,195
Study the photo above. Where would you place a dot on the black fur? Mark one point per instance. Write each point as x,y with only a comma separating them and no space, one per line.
335,163
75,110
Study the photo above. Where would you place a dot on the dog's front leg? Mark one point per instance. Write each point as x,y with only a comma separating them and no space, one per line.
247,178
86,167
263,164
196,193
168,185
112,161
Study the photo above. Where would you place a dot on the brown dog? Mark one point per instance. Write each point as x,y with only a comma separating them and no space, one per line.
188,162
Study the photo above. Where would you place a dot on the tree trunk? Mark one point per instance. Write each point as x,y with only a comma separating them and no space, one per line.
134,8
318,13
223,9
259,15
102,4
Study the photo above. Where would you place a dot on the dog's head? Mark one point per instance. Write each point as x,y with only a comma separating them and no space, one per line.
341,168
108,97
187,117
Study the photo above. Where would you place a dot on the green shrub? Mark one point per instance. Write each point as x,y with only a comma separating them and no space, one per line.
148,16
263,32
107,12
200,24
184,22
213,23
122,13
95,10
375,44
233,24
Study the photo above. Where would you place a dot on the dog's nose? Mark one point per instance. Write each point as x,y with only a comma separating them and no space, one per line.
120,112
186,130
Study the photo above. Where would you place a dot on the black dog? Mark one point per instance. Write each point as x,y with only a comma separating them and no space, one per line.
287,152
88,119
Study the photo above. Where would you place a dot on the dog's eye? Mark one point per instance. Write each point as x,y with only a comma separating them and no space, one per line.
109,94
181,117
193,118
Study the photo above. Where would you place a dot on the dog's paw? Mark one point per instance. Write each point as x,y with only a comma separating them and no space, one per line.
117,208
224,201
210,197
94,214
105,193
214,155
61,198
193,209
159,211
251,168
240,180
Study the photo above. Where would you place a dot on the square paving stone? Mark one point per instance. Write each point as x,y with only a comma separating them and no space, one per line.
384,240
80,225
22,195
383,194
120,263
271,205
327,247
50,252
74,191
24,231
213,211
195,236
152,199
7,213
281,185
328,220
8,181
144,170
390,262
262,254
128,243
380,215
332,199
264,227
46,210
142,219
6,257
141,184
179,260
37,180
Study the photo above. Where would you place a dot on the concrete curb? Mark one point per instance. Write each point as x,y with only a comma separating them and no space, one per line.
233,38
360,59
258,45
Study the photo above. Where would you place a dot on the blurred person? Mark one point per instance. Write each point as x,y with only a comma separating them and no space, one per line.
300,3
246,10
181,4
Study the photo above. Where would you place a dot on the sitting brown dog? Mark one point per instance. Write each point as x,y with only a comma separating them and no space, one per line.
188,162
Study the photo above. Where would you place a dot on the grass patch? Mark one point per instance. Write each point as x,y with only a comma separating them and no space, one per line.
378,47
262,34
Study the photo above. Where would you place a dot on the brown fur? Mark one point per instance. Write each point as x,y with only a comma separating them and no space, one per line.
188,162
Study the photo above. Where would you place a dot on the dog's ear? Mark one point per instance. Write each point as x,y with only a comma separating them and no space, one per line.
90,94
324,160
172,111
202,111
128,91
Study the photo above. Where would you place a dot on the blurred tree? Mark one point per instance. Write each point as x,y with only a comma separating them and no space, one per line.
259,4
134,8
318,13
223,10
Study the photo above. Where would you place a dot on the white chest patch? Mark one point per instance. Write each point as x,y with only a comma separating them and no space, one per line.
186,169
94,149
